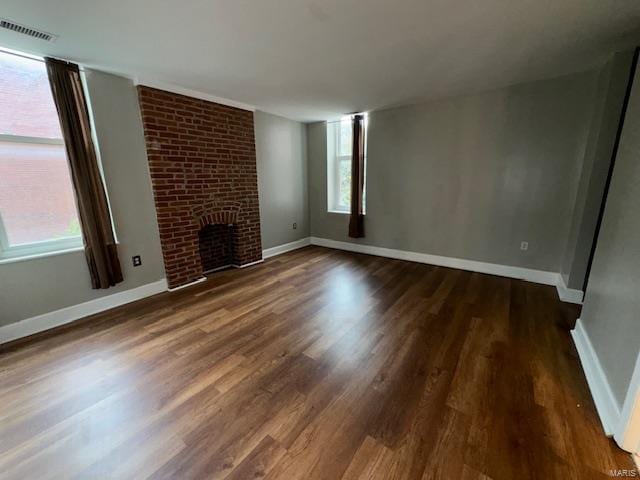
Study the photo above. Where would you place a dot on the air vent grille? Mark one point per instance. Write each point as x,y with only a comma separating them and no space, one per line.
32,32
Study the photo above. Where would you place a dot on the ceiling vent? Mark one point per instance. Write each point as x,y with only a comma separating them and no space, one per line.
32,32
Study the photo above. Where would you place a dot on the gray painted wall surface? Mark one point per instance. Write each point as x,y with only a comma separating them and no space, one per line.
470,177
281,155
608,100
43,285
612,304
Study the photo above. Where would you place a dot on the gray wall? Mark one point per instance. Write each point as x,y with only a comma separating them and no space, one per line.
612,304
470,177
42,285
281,155
608,100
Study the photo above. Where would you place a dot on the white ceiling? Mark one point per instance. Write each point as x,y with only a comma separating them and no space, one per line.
315,59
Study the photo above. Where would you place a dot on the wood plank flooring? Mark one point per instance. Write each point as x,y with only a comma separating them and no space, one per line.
317,364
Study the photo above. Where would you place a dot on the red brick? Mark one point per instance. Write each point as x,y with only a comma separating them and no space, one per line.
203,167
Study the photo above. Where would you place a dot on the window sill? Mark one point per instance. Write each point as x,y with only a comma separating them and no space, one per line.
24,258
341,212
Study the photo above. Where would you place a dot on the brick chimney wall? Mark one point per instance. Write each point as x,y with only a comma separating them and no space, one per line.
202,162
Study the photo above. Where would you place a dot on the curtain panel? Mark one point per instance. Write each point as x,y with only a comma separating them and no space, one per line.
93,209
356,220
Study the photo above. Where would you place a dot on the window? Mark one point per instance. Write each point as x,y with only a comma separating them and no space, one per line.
339,145
38,211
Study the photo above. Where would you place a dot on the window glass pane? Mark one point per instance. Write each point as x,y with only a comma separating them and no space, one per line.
36,195
345,138
344,192
37,203
26,104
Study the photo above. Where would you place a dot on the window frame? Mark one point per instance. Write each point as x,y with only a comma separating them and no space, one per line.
333,166
25,251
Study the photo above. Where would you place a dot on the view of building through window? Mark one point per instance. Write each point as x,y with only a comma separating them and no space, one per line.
37,203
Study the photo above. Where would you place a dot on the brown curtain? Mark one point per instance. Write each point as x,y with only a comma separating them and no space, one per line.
356,221
100,245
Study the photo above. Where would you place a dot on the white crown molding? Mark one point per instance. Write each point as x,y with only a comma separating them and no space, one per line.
568,295
536,276
285,247
603,396
147,82
66,315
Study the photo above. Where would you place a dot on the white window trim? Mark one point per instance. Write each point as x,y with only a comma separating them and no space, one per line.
46,248
36,256
333,170
25,139
62,245
34,249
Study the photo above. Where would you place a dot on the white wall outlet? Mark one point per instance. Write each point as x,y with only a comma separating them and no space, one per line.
295,225
524,246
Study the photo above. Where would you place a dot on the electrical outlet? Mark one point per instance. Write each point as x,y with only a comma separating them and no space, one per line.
295,225
137,261
524,246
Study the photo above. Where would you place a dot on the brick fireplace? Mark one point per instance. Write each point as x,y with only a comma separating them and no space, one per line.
202,162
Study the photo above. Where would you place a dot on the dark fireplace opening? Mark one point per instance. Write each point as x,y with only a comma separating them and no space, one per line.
216,247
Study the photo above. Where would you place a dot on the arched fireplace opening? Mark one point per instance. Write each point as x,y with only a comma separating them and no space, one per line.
218,236
216,247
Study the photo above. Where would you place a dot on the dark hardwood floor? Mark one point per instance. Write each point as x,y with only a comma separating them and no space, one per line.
316,364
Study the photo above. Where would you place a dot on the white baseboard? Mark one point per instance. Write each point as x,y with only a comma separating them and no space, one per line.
603,397
285,247
568,295
536,276
65,315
